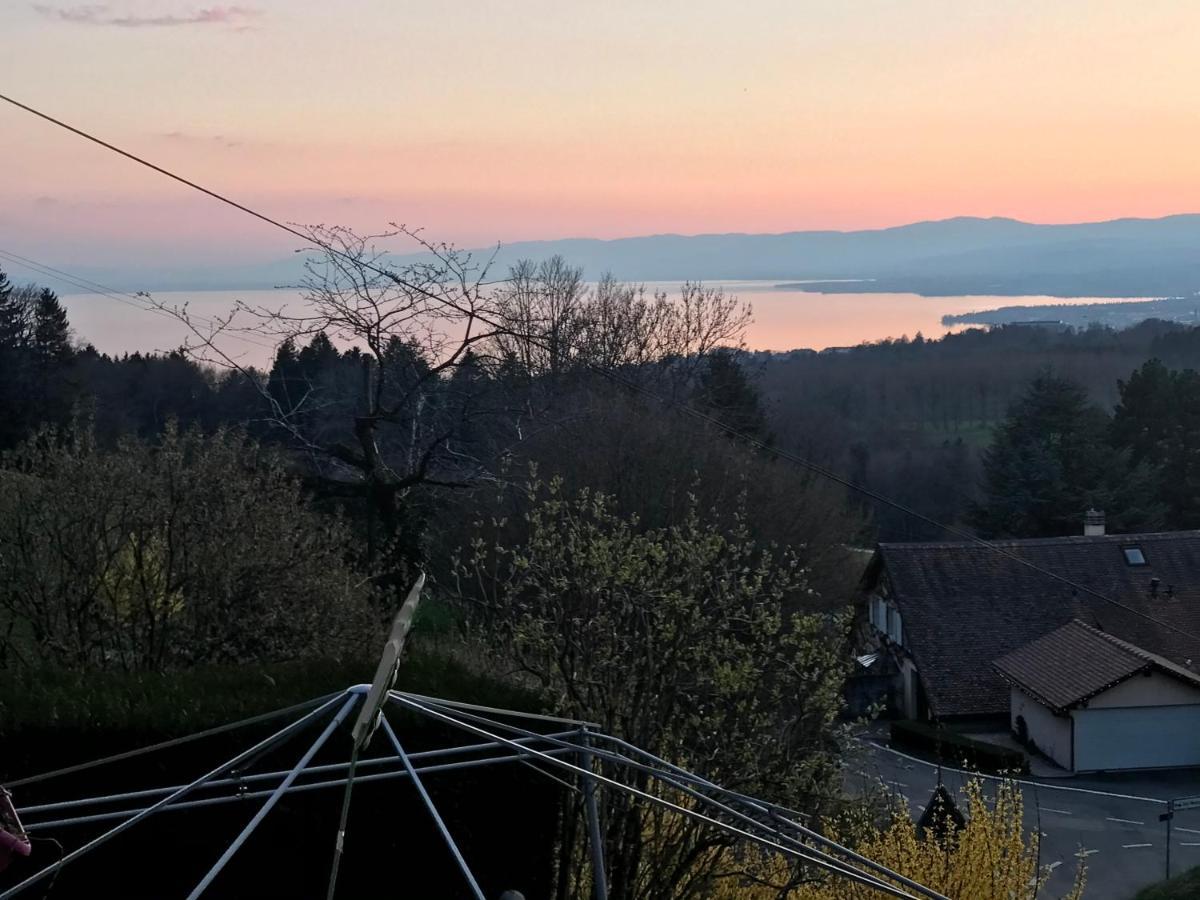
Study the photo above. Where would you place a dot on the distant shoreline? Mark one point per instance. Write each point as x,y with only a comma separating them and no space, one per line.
958,289
1116,313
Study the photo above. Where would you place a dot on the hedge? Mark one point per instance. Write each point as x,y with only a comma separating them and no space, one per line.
958,749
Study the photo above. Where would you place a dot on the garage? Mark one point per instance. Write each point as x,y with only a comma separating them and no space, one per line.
1091,702
1145,738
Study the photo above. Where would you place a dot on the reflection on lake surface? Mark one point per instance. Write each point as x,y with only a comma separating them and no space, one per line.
783,319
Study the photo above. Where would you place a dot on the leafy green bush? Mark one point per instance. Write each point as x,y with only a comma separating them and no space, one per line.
688,640
957,749
193,550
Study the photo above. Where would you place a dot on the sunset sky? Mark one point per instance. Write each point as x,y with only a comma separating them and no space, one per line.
491,121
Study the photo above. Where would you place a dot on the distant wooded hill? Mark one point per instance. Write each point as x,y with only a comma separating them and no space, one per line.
1123,257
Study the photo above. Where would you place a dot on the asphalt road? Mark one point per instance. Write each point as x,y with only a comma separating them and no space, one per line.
1110,822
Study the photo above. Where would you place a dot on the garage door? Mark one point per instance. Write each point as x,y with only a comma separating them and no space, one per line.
1137,738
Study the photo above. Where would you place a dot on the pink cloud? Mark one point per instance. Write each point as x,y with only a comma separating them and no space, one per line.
102,14
220,140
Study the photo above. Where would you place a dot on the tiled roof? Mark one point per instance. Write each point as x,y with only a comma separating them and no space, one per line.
964,605
1076,662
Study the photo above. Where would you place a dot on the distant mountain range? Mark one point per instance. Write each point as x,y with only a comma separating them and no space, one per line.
1123,257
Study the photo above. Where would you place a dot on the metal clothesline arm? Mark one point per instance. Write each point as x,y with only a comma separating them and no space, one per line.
592,810
284,733
373,762
274,798
835,868
297,789
677,775
775,816
437,819
495,711
173,742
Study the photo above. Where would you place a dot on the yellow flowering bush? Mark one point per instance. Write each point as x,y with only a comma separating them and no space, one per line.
990,858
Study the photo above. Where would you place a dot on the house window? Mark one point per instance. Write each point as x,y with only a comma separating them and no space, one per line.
1134,556
894,630
879,613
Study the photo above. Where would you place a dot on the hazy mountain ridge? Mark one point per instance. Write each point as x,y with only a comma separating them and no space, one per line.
1121,257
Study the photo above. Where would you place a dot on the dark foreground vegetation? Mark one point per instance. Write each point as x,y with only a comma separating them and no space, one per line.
185,541
1181,887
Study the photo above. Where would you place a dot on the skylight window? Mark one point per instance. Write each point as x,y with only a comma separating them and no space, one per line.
1134,556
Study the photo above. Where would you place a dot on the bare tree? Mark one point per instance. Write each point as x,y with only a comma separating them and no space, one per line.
553,323
392,413
436,348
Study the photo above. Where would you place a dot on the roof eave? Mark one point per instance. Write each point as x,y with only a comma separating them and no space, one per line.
1079,701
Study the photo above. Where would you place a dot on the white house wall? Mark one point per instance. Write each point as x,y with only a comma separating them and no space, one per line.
1051,733
1155,689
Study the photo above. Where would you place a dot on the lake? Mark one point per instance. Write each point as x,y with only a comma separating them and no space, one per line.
783,319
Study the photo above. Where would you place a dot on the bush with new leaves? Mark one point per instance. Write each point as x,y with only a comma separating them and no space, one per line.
691,640
193,549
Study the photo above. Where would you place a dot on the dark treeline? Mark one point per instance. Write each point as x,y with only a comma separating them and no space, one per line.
912,418
50,378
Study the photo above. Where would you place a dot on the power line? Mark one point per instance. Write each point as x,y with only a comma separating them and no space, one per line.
307,238
616,377
145,162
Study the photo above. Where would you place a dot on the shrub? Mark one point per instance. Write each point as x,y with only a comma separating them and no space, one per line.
988,859
680,639
957,749
1181,887
193,550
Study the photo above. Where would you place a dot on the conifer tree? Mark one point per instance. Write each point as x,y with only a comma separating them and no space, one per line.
284,373
726,392
1051,461
14,317
51,331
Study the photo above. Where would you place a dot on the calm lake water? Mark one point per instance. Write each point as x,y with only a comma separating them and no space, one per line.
783,319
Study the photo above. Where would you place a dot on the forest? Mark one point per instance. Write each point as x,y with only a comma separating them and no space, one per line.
913,418
587,476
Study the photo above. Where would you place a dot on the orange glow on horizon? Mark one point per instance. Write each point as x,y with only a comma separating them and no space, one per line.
695,117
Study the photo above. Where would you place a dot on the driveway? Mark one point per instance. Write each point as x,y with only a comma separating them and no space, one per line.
1111,822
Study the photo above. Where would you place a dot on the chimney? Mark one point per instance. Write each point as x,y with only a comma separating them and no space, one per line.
1093,523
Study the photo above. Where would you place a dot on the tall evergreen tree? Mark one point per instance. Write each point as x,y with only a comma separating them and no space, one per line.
1179,484
725,391
14,316
1157,421
285,372
1146,412
1051,461
51,331
318,358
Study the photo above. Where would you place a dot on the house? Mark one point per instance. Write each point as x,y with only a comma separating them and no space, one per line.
941,624
1092,702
